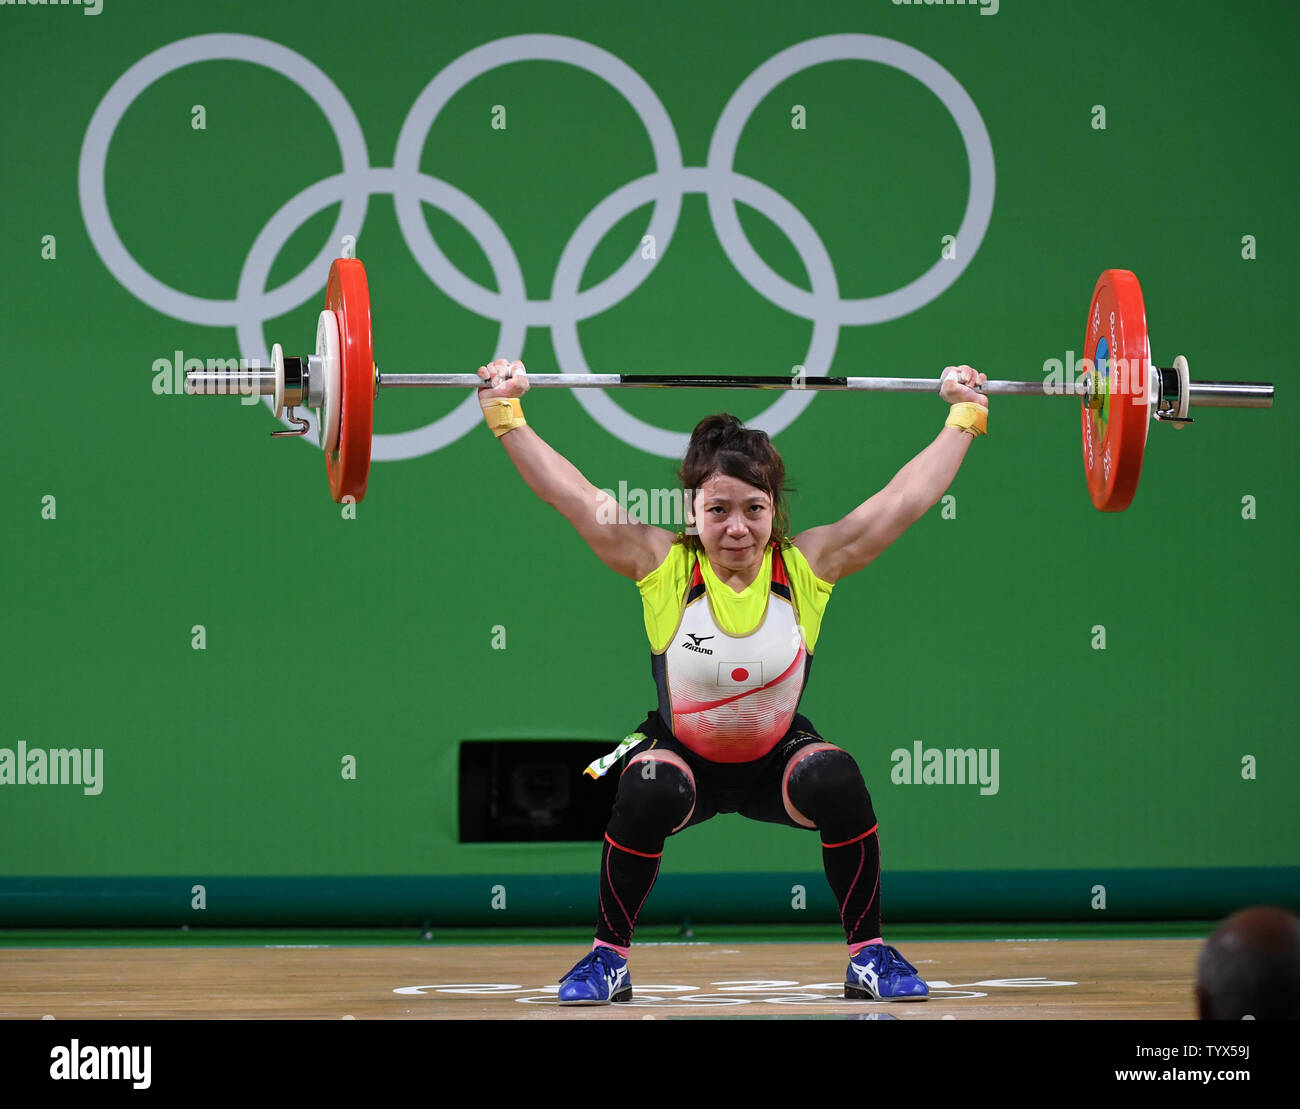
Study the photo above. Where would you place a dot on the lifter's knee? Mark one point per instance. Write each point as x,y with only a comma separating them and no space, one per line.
656,796
824,789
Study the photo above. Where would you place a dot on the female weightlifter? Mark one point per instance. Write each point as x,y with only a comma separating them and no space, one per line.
733,616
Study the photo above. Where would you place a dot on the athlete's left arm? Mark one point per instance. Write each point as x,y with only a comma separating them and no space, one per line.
836,550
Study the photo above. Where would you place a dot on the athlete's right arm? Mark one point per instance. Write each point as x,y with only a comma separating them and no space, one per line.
627,547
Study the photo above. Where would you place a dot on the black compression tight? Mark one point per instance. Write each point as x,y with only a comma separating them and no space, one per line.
656,797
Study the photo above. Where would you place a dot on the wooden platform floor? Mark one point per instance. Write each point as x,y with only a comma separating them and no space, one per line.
1037,980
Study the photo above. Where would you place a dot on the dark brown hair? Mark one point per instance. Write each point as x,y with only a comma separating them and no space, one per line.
722,444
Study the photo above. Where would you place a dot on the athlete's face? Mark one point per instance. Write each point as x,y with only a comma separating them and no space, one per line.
734,520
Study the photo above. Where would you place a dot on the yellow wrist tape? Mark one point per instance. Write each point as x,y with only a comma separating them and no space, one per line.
504,414
970,417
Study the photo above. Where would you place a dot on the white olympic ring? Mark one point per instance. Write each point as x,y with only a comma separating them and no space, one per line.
568,304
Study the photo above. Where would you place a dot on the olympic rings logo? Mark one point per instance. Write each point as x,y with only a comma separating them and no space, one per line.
566,306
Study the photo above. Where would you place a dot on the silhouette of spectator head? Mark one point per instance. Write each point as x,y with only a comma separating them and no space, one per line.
1250,967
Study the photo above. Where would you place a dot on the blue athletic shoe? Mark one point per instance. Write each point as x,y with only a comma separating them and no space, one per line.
601,976
880,973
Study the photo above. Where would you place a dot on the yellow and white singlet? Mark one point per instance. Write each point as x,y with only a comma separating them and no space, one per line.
731,667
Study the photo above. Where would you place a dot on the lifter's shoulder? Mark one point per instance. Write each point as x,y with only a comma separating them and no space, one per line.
656,546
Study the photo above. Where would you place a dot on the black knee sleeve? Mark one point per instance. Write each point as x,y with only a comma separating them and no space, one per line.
654,797
828,789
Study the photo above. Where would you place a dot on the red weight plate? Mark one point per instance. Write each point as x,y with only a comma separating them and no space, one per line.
348,296
1115,424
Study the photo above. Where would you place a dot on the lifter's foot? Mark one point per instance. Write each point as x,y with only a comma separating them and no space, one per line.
879,973
599,977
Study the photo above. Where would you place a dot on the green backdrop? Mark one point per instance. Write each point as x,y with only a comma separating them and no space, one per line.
1153,777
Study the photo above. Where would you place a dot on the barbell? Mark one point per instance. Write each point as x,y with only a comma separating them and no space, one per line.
1121,392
